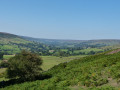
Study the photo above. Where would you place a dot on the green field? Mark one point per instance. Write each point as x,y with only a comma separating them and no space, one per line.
6,57
48,61
86,51
2,70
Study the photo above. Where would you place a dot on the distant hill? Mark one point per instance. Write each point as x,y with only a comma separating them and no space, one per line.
52,41
105,43
6,38
12,44
96,72
61,41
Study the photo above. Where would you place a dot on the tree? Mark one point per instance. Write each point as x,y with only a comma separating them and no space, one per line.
1,55
4,64
25,65
91,53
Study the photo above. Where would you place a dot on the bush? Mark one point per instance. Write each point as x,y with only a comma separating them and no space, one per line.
1,55
24,65
3,64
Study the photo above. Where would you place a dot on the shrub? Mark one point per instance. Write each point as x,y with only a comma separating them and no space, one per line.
24,65
4,64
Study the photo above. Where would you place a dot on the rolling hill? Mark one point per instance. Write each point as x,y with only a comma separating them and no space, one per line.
96,72
75,43
78,47
61,42
6,38
12,44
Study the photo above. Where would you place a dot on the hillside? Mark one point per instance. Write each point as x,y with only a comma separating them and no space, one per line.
12,44
6,38
61,42
96,72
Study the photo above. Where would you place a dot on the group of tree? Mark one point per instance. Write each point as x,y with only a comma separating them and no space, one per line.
42,49
25,65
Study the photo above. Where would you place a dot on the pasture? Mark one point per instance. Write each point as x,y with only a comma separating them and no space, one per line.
48,62
86,51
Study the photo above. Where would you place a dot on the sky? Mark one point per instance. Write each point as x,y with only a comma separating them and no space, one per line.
61,19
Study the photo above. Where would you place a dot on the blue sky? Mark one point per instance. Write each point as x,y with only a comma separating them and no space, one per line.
61,19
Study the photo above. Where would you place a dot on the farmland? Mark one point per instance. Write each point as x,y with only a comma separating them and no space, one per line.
48,61
59,45
66,64
97,72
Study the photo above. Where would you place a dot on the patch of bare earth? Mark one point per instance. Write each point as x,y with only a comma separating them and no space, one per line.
115,51
113,82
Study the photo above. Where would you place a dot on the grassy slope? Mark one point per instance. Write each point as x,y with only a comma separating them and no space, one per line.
6,38
12,44
96,72
8,42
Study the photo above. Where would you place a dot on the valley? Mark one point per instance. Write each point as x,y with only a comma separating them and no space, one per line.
59,44
69,65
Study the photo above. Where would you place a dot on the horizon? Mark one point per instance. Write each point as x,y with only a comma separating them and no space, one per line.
58,39
68,20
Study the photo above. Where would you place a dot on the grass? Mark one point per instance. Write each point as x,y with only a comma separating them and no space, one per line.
65,50
50,61
0,61
97,72
2,70
88,50
6,57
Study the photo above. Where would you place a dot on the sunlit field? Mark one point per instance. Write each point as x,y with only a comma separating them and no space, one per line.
48,62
